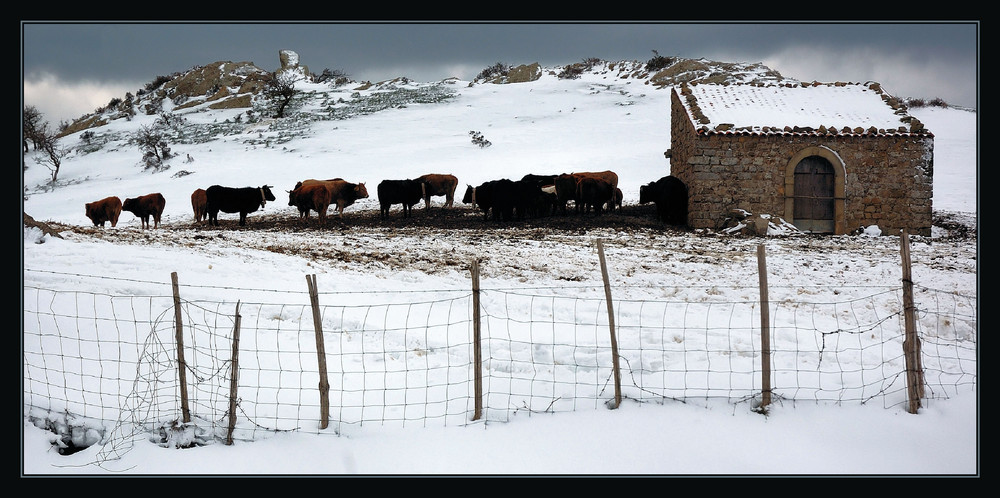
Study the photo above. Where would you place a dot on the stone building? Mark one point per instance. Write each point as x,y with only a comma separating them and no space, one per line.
828,158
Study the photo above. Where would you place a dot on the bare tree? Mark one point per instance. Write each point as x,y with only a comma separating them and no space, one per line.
31,125
52,154
280,88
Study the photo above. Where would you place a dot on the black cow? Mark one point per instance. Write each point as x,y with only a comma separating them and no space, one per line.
594,193
405,192
530,200
504,199
540,180
235,200
565,187
495,198
481,197
617,201
671,198
145,206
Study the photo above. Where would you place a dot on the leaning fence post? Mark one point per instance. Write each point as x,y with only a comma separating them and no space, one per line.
181,364
324,384
234,378
765,330
611,325
911,342
476,348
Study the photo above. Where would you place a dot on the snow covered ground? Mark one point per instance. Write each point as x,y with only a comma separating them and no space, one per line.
549,126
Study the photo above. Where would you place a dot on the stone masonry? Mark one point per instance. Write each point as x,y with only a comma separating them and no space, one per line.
884,179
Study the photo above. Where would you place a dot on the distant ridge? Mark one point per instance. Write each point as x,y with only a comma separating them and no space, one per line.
226,84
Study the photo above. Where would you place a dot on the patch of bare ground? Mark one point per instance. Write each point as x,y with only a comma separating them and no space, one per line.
448,239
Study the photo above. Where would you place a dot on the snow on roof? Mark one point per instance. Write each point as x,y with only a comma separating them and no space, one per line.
811,108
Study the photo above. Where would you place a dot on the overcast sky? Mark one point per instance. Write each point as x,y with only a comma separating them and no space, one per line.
70,69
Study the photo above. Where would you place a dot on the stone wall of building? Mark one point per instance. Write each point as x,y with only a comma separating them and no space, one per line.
887,181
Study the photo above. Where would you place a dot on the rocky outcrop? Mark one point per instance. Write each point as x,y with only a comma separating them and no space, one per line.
225,84
237,102
290,62
524,73
206,80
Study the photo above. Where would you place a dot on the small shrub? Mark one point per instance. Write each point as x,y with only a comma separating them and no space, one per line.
658,62
571,72
336,76
919,102
479,139
154,148
170,120
498,69
159,80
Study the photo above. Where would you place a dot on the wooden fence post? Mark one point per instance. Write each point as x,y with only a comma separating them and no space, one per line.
181,364
476,344
234,378
611,326
911,342
765,330
324,383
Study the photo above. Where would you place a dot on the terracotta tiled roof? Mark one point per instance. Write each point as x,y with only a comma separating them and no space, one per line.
814,108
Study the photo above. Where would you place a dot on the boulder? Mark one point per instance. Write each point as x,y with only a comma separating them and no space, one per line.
524,73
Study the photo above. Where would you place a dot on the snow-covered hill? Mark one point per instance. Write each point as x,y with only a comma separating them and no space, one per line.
613,116
605,119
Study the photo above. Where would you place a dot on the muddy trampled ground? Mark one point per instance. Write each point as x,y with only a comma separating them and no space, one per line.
560,247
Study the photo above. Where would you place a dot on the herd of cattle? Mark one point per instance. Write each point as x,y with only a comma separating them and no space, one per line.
504,199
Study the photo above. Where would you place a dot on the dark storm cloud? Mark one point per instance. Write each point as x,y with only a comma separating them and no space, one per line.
919,59
146,50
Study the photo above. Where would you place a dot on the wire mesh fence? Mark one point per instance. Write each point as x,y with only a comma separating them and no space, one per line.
108,364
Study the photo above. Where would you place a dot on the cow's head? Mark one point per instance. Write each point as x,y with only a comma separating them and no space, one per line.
645,193
266,195
361,191
291,193
91,211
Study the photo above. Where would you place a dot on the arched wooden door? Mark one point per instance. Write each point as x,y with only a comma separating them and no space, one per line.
814,209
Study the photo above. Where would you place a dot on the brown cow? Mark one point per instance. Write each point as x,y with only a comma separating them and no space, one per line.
199,203
608,176
107,209
313,181
145,206
344,194
436,185
315,196
305,206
